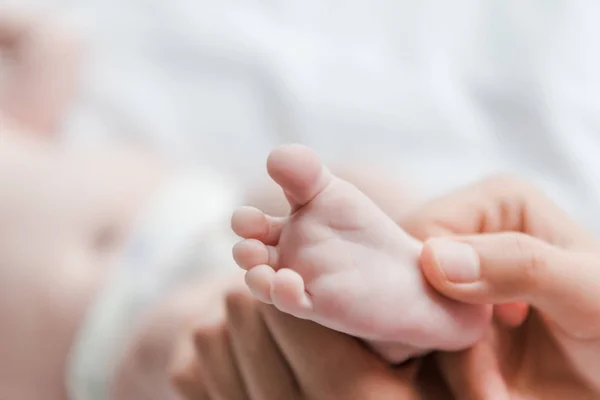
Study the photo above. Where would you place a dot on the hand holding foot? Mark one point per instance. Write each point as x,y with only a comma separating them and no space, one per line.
338,260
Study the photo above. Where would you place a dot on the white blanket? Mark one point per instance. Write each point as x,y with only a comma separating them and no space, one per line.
442,91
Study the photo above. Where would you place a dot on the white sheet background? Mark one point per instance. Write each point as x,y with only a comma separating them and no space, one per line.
443,92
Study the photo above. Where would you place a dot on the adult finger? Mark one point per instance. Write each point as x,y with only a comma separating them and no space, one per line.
474,373
265,372
185,372
509,267
217,364
498,204
495,204
331,365
511,314
189,383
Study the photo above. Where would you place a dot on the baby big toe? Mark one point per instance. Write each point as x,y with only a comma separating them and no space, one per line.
299,172
251,223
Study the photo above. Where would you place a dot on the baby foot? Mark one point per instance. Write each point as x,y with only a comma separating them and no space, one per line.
340,261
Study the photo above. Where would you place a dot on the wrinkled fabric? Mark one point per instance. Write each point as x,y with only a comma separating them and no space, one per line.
446,92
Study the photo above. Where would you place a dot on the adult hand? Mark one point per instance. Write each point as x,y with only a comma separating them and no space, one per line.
261,353
165,333
542,258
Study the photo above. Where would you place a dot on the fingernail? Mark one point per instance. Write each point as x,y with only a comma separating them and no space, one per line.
458,261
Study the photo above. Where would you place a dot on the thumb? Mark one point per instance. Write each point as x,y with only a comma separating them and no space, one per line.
512,267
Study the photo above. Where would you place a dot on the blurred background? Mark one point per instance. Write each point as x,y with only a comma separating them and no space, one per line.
440,92
436,94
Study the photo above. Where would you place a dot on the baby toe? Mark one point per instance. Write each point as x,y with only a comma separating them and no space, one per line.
251,223
248,222
250,253
288,293
259,281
